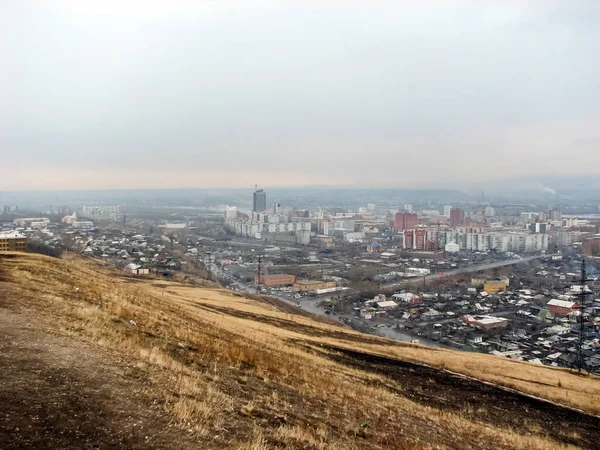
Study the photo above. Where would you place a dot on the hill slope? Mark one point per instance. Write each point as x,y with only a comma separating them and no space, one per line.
94,358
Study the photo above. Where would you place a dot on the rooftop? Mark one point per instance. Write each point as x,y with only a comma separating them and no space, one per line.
310,281
387,304
483,320
11,235
562,303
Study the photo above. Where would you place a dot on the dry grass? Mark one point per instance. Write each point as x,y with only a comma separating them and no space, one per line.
557,384
225,367
258,442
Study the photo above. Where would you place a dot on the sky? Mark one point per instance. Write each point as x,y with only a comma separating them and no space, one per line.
180,94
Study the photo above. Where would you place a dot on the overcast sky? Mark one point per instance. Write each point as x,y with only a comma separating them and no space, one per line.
156,94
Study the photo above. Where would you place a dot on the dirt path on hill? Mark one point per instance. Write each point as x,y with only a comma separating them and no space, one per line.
56,392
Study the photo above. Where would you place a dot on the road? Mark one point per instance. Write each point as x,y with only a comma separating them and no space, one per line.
310,304
468,269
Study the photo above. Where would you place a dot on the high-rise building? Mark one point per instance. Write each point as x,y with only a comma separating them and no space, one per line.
405,221
555,214
231,212
420,238
539,227
447,209
457,217
260,201
591,246
408,239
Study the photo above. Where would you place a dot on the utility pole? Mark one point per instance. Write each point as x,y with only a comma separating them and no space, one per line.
258,275
208,267
580,361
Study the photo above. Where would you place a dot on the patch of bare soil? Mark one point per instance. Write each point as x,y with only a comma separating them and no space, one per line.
290,325
56,392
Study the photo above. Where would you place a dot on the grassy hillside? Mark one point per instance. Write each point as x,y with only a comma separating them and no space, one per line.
243,373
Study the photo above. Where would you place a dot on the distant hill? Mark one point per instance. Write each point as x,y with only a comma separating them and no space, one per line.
551,189
566,190
93,359
301,197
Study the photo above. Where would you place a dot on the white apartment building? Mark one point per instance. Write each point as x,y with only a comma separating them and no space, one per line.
338,224
101,212
561,238
477,241
32,222
500,241
262,223
354,236
231,212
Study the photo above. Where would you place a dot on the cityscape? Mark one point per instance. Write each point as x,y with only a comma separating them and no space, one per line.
259,225
479,276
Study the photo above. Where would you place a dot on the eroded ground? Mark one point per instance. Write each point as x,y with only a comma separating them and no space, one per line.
57,392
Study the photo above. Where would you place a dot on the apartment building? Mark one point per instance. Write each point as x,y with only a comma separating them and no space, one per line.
12,241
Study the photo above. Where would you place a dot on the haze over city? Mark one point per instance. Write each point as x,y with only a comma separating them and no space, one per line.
108,95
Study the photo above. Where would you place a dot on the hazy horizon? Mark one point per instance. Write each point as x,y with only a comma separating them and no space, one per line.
166,95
